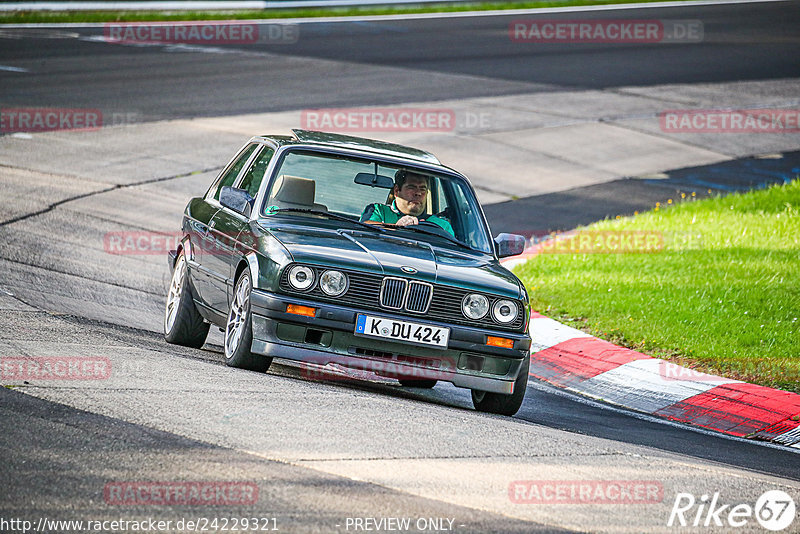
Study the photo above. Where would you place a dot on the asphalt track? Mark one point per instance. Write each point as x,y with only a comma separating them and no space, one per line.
158,422
391,61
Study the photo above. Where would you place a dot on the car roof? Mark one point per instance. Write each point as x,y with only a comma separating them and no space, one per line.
374,146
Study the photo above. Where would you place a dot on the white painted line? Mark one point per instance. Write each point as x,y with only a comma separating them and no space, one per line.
129,6
199,5
546,332
13,69
645,385
791,438
416,16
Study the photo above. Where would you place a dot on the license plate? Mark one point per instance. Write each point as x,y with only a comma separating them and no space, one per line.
405,331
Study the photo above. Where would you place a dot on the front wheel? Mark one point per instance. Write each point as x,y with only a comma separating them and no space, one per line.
485,401
239,330
183,324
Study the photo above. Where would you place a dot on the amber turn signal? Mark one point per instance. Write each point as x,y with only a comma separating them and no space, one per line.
296,309
500,342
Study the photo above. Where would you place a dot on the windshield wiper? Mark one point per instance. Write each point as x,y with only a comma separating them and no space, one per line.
329,215
445,235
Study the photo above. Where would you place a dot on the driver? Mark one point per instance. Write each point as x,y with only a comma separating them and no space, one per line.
408,207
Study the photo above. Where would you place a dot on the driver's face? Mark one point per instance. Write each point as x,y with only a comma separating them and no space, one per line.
411,198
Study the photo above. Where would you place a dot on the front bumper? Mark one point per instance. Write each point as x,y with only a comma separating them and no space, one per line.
328,338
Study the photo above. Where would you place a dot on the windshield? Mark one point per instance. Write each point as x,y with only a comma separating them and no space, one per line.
363,190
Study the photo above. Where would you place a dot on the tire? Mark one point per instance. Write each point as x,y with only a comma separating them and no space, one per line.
498,403
239,330
417,383
183,324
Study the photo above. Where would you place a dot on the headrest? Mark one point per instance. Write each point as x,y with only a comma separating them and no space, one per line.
295,190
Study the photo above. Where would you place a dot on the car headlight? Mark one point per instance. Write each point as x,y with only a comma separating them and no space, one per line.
504,311
301,277
333,283
474,306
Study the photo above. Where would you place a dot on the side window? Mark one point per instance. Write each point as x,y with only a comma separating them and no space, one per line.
230,176
465,216
255,174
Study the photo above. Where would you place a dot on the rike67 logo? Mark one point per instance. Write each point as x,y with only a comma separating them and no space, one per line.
774,510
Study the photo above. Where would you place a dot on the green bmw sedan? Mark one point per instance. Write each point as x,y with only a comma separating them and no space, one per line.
330,249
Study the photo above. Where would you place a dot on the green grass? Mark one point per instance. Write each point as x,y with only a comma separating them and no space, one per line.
136,16
722,295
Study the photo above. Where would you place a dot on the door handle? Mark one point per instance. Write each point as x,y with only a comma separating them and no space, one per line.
206,230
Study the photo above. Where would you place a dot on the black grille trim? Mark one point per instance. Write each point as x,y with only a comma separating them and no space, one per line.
393,293
419,296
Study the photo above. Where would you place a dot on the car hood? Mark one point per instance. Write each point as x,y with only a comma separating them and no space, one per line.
407,257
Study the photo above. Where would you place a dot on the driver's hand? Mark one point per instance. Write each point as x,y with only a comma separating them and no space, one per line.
407,220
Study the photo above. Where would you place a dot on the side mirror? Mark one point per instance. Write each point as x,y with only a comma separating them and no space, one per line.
509,245
238,200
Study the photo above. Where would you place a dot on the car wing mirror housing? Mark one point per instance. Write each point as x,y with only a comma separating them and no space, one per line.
238,200
509,245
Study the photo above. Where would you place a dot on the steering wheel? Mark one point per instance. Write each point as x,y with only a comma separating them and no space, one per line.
433,226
